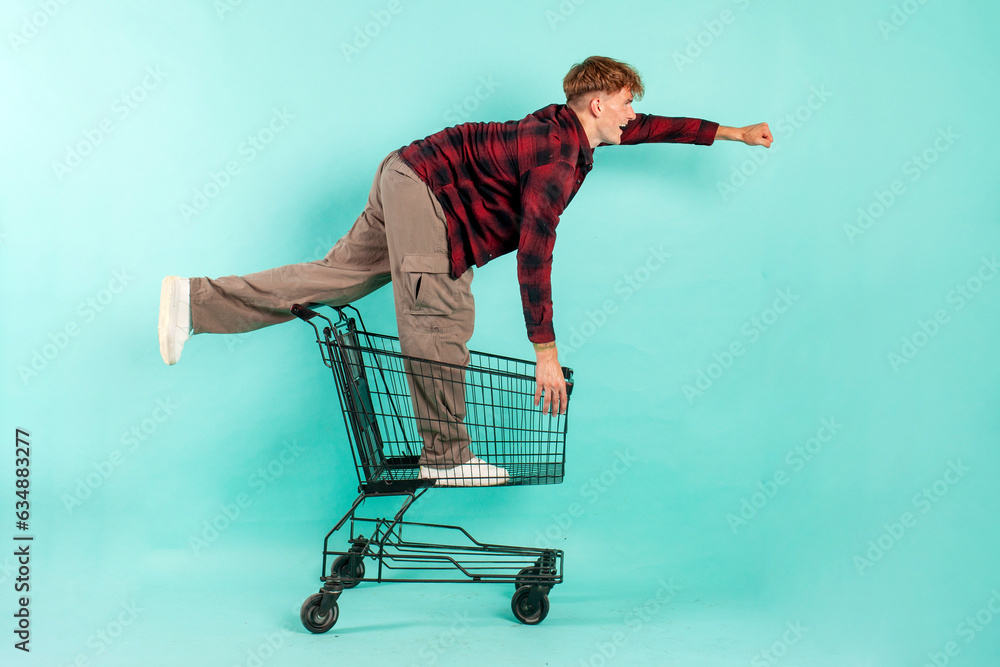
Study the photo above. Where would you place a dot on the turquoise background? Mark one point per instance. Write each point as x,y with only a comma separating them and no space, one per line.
83,251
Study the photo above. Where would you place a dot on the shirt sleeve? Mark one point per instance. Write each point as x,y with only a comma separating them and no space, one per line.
545,192
649,129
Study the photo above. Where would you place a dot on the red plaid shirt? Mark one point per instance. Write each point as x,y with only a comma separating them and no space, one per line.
503,187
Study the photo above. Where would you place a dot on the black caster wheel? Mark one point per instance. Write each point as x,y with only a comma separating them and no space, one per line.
312,619
526,572
342,568
524,611
534,571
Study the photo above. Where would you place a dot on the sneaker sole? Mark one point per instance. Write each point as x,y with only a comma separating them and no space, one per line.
167,291
467,483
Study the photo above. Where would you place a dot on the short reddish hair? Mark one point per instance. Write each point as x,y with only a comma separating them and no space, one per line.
600,74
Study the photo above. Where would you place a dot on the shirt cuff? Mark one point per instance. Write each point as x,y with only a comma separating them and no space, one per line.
706,133
542,333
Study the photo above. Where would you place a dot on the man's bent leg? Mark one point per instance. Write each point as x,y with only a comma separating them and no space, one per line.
435,314
437,390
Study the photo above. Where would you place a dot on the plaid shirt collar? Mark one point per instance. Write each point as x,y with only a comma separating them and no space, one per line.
586,159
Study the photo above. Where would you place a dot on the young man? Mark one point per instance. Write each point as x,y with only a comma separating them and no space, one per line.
438,207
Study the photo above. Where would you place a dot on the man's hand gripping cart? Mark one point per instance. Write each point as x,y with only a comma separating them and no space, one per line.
374,380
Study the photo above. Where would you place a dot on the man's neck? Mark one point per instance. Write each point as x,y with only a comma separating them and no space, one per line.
589,127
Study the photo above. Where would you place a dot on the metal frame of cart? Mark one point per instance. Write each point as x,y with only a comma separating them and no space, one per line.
506,428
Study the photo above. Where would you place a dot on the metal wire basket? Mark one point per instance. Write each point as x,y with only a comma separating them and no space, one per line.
375,380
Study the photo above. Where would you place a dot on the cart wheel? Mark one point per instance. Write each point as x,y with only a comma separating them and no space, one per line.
341,569
526,572
526,612
311,618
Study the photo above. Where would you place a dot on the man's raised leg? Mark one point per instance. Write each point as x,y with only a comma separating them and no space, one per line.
357,265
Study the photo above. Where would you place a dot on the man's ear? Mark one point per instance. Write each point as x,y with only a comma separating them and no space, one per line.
595,106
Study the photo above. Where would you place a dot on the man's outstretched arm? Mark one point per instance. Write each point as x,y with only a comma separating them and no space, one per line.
758,134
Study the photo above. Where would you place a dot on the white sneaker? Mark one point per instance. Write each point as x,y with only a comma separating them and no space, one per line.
476,472
175,317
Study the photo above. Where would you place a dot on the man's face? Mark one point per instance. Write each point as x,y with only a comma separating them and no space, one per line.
616,112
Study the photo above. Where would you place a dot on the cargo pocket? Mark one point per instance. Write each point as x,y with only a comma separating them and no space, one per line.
430,289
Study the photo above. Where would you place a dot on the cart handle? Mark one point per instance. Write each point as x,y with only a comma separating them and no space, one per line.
303,313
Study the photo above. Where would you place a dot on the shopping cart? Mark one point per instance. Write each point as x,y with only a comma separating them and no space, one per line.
506,429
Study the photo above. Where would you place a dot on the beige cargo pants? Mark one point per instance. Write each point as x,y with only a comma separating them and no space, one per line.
401,237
